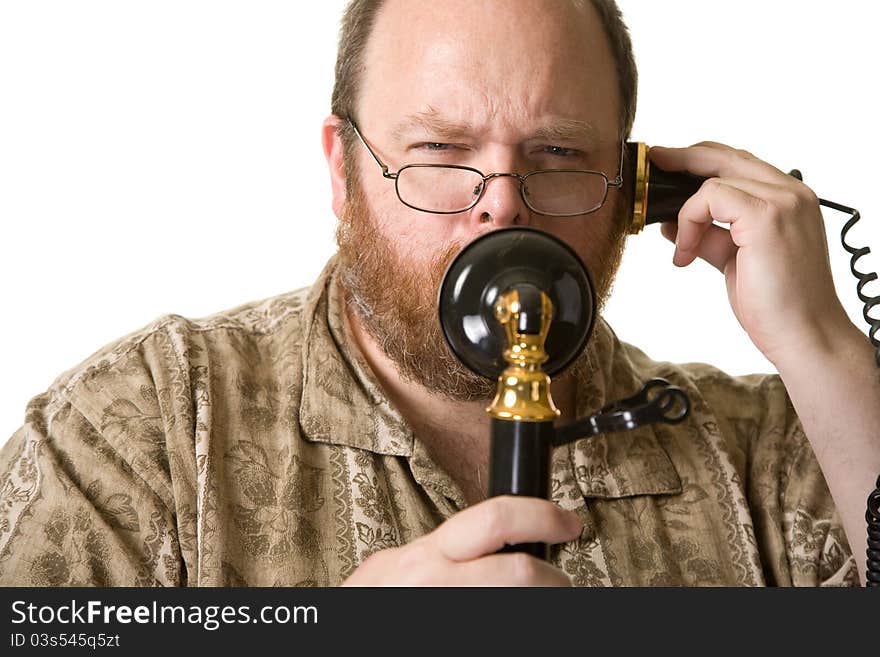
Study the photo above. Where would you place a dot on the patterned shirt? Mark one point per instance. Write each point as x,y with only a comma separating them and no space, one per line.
254,448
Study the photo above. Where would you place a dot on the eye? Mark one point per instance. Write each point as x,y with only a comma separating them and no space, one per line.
434,146
561,151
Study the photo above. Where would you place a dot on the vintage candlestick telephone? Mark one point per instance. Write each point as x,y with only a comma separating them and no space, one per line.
518,305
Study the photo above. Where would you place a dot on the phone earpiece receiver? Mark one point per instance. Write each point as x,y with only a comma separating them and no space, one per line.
657,195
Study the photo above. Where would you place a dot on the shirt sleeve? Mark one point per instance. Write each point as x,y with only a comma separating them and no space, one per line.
76,508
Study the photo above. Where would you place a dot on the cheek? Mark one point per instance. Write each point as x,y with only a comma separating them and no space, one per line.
416,237
583,236
593,237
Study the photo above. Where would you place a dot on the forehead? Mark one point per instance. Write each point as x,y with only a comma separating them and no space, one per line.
496,65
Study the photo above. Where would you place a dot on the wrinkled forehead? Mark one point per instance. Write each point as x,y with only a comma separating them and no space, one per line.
494,64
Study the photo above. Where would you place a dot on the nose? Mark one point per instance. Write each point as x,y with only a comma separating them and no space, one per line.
501,203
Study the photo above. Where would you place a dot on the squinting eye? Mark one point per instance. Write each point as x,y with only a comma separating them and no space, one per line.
561,151
435,146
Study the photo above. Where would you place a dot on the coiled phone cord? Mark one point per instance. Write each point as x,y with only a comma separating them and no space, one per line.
872,514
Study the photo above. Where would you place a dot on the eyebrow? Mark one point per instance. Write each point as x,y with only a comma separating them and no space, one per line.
556,130
567,130
432,123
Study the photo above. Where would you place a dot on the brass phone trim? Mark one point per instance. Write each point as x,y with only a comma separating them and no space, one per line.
640,202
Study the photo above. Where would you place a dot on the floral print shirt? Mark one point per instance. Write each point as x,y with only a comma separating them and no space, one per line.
253,448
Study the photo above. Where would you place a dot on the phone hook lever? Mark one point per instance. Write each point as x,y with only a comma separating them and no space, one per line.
657,401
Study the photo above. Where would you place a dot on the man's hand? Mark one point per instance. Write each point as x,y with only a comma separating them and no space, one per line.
461,551
774,257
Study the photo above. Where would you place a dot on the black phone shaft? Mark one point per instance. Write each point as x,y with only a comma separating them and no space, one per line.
519,464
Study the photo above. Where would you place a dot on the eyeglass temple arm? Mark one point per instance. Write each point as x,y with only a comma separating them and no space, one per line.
617,182
381,164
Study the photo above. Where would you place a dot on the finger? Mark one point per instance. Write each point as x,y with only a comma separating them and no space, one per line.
789,202
669,230
716,247
510,569
788,192
488,526
715,160
715,144
716,201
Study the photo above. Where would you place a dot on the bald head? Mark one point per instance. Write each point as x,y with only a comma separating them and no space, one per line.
490,64
484,19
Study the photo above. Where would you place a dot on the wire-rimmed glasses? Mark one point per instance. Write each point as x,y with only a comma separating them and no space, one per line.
452,188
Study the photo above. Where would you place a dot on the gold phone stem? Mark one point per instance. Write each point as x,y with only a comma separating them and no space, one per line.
523,388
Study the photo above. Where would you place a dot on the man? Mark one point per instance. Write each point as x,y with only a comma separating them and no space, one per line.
327,436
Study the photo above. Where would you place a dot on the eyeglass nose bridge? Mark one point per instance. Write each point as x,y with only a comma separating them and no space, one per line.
479,189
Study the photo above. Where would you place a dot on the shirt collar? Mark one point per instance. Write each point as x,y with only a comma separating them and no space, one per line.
343,404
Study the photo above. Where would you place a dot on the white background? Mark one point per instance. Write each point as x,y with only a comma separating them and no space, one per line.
160,157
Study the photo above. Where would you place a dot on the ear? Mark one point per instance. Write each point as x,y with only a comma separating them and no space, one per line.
332,143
